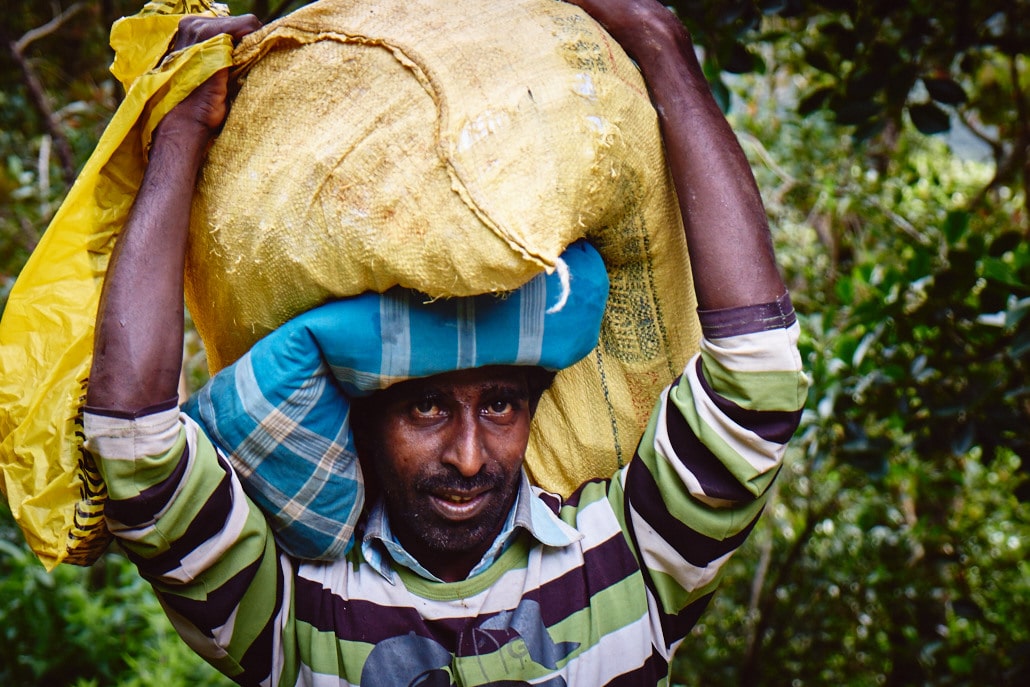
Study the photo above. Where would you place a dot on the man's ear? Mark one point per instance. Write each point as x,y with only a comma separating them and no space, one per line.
364,412
538,380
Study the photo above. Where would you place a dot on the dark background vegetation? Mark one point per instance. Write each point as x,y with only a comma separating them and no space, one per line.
891,142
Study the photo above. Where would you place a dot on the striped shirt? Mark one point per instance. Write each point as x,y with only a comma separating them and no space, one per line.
608,607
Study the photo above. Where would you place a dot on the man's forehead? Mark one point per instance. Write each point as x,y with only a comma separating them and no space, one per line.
483,379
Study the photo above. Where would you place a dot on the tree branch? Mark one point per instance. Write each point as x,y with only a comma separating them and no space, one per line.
50,27
761,573
749,672
1017,160
37,95
1021,152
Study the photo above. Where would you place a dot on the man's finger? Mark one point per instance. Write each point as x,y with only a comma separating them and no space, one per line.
242,25
197,29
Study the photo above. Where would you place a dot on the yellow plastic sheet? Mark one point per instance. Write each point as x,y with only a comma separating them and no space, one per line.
46,334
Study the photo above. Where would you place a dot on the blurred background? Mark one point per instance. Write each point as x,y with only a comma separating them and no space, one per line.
891,140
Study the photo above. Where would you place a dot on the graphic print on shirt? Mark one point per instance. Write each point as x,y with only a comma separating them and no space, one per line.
414,661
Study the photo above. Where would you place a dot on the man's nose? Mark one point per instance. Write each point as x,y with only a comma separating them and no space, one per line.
465,451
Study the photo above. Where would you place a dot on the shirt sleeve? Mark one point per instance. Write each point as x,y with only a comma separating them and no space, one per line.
182,517
715,443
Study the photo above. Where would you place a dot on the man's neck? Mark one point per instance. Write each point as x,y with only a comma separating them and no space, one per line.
446,565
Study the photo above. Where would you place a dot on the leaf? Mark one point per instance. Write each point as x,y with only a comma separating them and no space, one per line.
1016,311
820,61
867,130
899,83
960,665
815,100
772,6
719,90
1020,345
929,118
845,290
962,442
731,11
945,91
853,112
967,608
1000,271
1009,240
739,60
956,224
846,6
759,64
865,84
882,56
750,21
840,39
721,94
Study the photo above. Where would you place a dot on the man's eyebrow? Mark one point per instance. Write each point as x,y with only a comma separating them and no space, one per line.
505,388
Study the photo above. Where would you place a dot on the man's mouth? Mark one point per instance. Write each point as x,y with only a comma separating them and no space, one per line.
459,506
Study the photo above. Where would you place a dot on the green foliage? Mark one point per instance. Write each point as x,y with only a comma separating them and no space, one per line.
873,60
85,626
862,591
895,549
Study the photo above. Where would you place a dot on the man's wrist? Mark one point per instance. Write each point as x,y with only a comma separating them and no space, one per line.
179,146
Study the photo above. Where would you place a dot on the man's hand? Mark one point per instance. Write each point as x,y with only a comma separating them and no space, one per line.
206,106
640,26
137,353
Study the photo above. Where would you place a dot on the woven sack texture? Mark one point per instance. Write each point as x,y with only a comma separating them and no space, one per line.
455,147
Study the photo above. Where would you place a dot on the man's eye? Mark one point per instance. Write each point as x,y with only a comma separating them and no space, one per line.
425,407
500,407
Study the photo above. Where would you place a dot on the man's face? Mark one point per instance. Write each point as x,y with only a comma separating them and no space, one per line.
449,457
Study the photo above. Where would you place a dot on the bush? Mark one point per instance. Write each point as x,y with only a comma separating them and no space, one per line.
86,626
895,549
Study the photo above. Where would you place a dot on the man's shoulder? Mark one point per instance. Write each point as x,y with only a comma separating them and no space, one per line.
589,510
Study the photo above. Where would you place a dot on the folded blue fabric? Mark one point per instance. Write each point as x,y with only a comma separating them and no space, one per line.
281,412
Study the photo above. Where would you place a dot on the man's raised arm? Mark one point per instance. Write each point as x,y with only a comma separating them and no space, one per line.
727,232
138,341
724,424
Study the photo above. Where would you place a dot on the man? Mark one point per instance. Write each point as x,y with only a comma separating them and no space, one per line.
463,574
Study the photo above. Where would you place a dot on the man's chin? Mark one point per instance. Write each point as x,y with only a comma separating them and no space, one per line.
430,532
458,538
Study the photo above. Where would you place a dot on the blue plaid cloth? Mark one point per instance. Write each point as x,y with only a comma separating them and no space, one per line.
281,412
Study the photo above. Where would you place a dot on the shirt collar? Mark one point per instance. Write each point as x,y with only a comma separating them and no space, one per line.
382,550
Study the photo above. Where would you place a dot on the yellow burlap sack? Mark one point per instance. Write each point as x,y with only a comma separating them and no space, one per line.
455,147
46,334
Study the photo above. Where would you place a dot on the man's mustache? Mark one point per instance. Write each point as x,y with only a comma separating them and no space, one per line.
455,483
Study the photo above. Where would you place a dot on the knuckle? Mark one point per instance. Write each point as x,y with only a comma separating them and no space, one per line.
189,26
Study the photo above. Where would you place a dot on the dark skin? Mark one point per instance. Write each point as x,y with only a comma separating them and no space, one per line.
448,453
138,347
137,354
